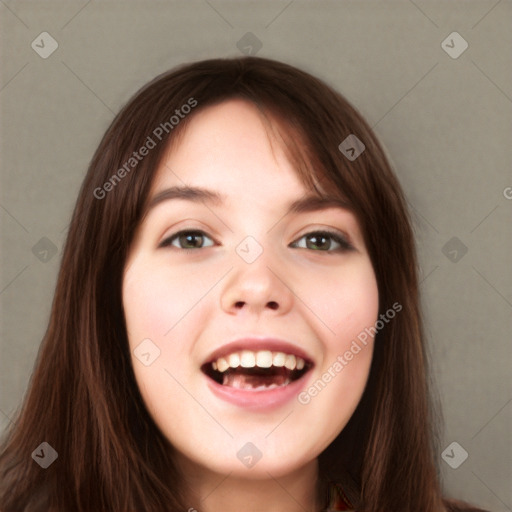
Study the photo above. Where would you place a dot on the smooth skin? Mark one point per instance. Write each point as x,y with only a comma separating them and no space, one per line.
190,302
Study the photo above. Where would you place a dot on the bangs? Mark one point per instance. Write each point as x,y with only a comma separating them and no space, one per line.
297,147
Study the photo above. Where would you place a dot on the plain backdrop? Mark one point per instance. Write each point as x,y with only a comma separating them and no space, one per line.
443,112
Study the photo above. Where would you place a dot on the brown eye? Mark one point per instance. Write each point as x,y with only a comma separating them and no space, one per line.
187,239
323,241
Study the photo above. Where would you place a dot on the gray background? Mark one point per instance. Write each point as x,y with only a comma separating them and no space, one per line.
445,121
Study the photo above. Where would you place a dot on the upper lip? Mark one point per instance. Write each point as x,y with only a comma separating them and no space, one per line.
259,343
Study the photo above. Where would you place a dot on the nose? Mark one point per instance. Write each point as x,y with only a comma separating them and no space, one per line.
257,288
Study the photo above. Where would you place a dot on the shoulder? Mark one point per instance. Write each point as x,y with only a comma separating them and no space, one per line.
453,505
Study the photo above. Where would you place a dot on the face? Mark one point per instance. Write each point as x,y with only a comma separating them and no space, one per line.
245,283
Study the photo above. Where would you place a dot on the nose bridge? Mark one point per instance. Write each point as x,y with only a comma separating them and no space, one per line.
258,281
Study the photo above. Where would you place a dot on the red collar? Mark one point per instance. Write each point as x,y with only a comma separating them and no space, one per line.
338,500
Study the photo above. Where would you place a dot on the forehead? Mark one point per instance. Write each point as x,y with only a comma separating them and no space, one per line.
247,182
231,145
233,156
229,158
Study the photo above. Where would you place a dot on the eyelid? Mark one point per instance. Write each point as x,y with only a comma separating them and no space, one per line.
338,236
167,241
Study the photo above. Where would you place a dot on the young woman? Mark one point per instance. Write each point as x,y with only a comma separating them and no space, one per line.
236,323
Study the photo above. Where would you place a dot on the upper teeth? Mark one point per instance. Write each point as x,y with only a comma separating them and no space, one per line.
261,358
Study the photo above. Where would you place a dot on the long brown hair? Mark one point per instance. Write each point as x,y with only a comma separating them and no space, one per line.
83,399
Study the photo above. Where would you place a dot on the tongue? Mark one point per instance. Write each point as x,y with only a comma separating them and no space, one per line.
246,380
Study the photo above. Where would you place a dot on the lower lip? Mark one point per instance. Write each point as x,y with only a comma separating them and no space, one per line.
259,400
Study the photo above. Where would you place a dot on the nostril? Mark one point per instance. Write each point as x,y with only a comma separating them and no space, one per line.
272,304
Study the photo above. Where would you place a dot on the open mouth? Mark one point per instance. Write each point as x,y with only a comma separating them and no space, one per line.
257,371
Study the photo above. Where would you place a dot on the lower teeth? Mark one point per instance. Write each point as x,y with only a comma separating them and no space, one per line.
272,386
241,383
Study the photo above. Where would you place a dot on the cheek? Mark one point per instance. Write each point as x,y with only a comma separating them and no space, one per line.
155,302
160,308
346,303
348,308
145,308
151,310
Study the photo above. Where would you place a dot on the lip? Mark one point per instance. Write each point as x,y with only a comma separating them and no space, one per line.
259,343
264,401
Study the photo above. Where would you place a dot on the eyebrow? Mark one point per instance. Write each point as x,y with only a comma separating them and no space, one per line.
309,203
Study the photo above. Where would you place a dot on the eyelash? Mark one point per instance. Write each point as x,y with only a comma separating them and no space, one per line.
344,244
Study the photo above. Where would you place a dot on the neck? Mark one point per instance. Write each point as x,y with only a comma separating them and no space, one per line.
296,491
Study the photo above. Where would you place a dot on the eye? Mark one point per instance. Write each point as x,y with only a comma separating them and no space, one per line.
323,239
189,239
